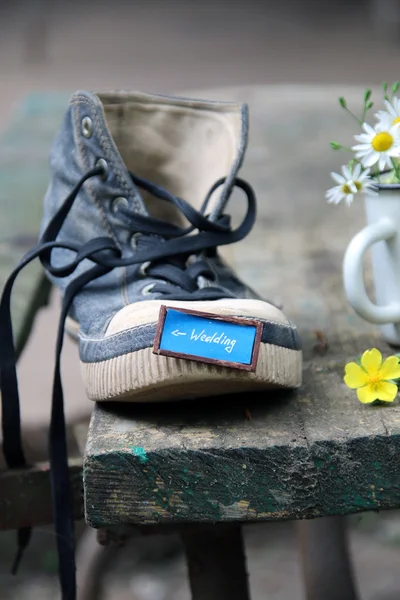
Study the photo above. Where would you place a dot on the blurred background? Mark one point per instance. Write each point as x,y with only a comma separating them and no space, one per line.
169,46
164,46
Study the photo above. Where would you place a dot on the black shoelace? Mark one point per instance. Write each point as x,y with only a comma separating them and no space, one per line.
164,248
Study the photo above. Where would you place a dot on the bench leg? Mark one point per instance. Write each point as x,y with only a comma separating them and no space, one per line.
93,563
326,562
217,564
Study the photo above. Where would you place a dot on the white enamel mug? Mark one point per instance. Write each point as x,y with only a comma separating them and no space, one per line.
382,236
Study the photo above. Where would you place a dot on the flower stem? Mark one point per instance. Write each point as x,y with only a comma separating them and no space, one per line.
367,107
354,116
396,169
364,113
377,174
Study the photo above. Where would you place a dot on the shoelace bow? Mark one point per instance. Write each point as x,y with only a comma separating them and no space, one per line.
166,259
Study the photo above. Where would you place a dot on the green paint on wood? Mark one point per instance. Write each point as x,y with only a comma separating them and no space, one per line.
309,454
140,453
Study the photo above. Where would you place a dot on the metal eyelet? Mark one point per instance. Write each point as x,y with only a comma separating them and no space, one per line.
147,289
120,201
143,268
191,260
134,239
87,127
104,165
203,282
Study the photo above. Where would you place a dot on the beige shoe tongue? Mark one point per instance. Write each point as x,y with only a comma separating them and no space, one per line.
183,145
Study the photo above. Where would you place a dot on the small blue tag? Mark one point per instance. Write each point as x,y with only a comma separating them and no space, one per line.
208,339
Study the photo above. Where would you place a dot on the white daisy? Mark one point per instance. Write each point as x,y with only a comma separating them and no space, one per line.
378,145
391,116
349,184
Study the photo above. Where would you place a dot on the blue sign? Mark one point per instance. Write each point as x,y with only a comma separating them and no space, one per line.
208,339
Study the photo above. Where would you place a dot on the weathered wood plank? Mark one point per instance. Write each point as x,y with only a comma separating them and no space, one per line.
187,469
25,497
317,452
17,485
209,463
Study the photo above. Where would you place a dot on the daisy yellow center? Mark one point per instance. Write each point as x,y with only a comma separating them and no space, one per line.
346,188
396,121
382,141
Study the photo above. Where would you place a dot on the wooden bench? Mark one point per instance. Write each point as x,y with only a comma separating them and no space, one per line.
206,468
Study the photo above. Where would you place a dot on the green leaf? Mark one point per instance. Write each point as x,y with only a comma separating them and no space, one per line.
369,105
385,87
367,95
335,145
342,102
395,87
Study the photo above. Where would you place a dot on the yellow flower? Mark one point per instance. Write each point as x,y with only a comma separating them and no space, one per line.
373,378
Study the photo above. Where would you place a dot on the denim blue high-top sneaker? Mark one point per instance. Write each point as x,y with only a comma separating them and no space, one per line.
133,217
161,159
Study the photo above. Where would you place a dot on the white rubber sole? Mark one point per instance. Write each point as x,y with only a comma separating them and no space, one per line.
142,376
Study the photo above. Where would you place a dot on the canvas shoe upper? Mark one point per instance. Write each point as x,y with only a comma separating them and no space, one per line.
155,151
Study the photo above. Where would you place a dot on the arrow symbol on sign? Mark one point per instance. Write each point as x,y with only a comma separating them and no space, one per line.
177,332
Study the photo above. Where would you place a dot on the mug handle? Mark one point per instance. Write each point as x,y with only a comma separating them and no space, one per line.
353,276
